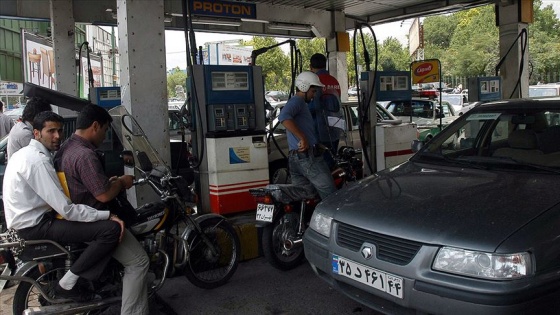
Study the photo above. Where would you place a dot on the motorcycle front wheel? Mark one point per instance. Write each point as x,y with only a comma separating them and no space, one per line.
283,228
214,256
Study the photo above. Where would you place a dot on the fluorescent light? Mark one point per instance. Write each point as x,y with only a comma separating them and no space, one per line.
254,21
289,27
222,22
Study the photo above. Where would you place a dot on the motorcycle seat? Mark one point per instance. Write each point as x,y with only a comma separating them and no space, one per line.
287,193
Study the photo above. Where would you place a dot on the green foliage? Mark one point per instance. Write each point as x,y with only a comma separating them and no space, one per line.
274,64
544,43
174,78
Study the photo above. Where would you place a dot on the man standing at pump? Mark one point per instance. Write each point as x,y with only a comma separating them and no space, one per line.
89,185
306,162
325,107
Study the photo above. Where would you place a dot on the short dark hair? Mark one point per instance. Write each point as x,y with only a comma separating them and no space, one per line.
318,61
34,106
1,106
91,113
42,117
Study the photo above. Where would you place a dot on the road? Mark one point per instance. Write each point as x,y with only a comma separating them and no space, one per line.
256,288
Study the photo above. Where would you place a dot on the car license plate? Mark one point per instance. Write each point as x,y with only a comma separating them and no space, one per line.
264,212
372,277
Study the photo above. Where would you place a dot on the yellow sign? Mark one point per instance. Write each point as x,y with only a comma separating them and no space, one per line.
424,71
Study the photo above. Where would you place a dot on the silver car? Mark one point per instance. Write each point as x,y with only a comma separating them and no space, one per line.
469,225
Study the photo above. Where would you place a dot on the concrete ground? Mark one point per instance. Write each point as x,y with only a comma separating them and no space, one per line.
256,288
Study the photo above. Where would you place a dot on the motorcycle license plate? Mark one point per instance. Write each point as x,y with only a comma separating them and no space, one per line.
377,279
264,212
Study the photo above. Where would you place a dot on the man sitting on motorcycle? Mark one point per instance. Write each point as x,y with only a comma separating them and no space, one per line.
307,165
89,185
32,191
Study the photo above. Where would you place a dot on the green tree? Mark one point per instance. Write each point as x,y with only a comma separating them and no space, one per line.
393,56
176,77
273,62
544,43
357,61
474,47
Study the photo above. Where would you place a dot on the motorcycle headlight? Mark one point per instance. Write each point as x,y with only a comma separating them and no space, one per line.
321,223
483,265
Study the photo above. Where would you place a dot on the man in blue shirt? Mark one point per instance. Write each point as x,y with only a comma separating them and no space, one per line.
306,162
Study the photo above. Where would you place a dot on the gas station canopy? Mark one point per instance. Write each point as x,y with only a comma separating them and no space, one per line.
293,18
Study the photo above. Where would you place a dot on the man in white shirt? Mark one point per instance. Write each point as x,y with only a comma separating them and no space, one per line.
32,191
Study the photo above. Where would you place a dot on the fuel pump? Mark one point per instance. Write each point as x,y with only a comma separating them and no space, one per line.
392,139
229,141
385,144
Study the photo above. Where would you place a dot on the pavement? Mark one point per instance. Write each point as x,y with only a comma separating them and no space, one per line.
255,288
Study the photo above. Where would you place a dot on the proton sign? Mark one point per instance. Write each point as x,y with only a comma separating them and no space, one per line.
424,71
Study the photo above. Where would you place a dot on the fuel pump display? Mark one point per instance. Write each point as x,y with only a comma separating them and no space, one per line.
230,139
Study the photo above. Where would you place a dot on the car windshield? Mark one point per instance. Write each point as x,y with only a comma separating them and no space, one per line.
500,137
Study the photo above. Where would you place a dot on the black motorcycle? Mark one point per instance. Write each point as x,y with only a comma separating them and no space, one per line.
204,248
284,211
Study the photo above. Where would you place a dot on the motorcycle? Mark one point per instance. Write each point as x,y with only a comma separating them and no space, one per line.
284,211
205,248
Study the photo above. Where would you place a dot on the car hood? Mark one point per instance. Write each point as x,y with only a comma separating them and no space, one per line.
453,206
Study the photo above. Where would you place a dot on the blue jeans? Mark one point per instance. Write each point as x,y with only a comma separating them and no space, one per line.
306,169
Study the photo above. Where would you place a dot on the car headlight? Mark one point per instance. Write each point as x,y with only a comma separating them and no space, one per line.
483,265
321,223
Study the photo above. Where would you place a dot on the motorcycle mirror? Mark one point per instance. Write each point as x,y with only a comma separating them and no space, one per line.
128,158
145,163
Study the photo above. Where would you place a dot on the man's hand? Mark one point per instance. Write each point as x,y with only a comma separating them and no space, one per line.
114,217
303,145
125,180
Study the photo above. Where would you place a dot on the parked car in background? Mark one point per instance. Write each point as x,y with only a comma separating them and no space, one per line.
544,90
457,100
353,92
425,113
410,240
277,96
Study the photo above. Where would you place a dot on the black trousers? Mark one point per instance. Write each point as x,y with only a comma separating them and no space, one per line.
102,238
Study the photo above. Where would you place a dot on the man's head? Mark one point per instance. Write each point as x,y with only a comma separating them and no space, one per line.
92,124
1,106
306,83
47,129
318,62
34,106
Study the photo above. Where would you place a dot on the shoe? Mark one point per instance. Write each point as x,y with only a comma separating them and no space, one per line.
76,294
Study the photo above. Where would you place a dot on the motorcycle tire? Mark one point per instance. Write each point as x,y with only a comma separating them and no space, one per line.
206,269
284,226
27,296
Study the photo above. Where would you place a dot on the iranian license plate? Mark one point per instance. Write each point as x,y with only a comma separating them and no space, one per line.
372,277
264,212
